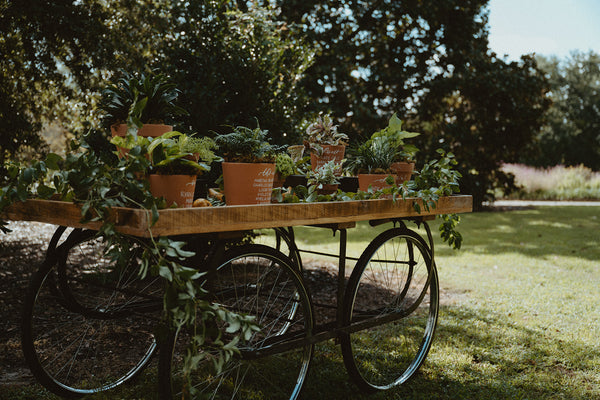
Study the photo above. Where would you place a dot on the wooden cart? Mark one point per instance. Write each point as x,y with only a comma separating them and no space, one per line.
88,327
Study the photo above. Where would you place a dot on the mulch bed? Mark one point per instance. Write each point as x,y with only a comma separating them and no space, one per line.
21,252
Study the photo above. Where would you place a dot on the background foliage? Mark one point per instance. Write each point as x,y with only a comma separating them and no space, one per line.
430,61
236,63
571,134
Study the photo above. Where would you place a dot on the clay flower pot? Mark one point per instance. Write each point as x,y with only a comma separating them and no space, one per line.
333,153
147,130
328,189
402,170
174,188
375,181
248,183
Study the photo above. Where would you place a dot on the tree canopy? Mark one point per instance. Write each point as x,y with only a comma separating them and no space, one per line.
430,62
236,62
571,133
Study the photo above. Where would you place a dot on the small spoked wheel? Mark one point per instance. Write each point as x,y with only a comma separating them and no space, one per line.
262,282
391,306
88,325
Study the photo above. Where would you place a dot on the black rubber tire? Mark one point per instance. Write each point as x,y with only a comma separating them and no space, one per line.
259,281
87,326
394,283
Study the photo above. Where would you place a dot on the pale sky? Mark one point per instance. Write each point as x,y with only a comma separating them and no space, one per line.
546,27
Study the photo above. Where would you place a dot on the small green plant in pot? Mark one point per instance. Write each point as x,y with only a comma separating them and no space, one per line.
403,163
325,178
249,166
175,165
372,162
325,142
140,104
284,167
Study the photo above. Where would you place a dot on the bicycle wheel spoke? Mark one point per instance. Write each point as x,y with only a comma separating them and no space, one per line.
88,325
260,282
392,301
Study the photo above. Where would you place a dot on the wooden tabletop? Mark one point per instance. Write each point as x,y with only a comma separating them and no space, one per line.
178,221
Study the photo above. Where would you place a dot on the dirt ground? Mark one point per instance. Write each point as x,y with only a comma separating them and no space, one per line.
22,251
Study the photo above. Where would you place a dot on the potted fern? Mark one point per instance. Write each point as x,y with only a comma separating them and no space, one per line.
249,165
176,160
372,162
140,104
175,166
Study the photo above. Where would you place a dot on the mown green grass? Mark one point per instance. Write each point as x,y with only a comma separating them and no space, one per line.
519,316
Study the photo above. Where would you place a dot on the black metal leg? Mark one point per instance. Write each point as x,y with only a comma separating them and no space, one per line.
341,277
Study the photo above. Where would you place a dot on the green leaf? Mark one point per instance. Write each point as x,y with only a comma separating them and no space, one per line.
53,160
165,272
395,123
45,191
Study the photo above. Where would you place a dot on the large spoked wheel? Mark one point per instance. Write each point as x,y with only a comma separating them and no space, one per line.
283,240
88,326
392,306
262,282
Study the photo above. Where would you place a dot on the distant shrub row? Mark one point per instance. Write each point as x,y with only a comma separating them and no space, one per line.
556,183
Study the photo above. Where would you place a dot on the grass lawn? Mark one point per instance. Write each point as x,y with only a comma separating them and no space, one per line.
519,315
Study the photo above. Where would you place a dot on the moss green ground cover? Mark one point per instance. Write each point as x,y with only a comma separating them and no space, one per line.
520,313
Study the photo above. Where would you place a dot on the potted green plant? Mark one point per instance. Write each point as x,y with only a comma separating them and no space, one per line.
372,161
174,163
325,178
140,104
175,166
284,167
325,142
403,164
249,166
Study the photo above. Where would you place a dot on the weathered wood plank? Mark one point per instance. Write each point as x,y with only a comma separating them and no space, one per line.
234,218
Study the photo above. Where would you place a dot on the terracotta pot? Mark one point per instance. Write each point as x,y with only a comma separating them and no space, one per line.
375,181
147,130
403,171
248,183
330,153
277,181
328,189
174,188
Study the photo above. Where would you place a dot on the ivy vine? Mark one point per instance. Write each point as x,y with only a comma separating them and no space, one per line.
98,182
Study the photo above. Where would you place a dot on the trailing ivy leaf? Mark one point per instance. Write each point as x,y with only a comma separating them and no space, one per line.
175,249
165,272
155,214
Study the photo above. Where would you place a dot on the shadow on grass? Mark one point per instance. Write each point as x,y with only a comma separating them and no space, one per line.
476,356
537,232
